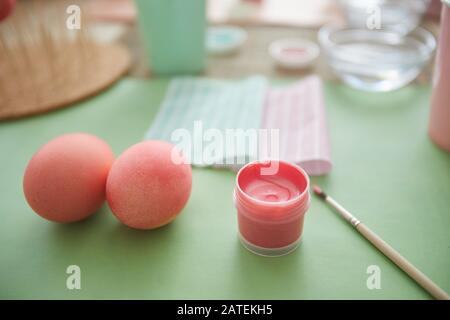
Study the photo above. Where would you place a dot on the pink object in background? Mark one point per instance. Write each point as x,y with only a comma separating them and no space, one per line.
6,7
271,206
298,111
439,126
434,9
112,10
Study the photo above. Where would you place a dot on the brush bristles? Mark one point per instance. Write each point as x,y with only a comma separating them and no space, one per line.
318,191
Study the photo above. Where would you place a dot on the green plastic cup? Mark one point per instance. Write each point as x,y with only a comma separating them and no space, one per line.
173,32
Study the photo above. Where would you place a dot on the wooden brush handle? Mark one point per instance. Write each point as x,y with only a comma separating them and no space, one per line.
402,263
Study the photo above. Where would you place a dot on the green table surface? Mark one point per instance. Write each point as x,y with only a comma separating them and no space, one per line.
386,171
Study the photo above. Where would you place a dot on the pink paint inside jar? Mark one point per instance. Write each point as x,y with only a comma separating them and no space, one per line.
271,205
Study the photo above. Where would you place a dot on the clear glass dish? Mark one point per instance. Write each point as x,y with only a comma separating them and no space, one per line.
398,15
376,60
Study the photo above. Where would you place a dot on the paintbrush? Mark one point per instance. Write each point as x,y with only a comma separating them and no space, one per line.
385,248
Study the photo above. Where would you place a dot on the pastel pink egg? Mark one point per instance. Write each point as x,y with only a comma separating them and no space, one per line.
146,189
65,180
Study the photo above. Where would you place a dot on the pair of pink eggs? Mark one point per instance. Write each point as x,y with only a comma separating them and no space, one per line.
70,177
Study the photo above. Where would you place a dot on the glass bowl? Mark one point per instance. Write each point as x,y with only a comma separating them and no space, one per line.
398,15
376,60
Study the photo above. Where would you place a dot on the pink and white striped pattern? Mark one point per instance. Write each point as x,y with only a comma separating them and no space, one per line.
298,111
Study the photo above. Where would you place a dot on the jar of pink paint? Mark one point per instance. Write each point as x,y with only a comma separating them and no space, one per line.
439,124
271,198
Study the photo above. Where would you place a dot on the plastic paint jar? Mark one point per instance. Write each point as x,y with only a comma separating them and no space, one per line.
271,199
439,124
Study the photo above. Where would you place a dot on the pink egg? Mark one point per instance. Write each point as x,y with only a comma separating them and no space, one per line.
65,180
145,188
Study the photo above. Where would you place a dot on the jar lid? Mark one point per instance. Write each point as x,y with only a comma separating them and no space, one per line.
272,190
294,53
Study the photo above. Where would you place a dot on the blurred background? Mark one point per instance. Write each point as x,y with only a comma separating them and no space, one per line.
263,21
373,45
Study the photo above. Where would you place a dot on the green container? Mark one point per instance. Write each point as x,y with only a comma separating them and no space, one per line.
173,32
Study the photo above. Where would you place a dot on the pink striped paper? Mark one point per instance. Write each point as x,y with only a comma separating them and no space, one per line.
298,111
